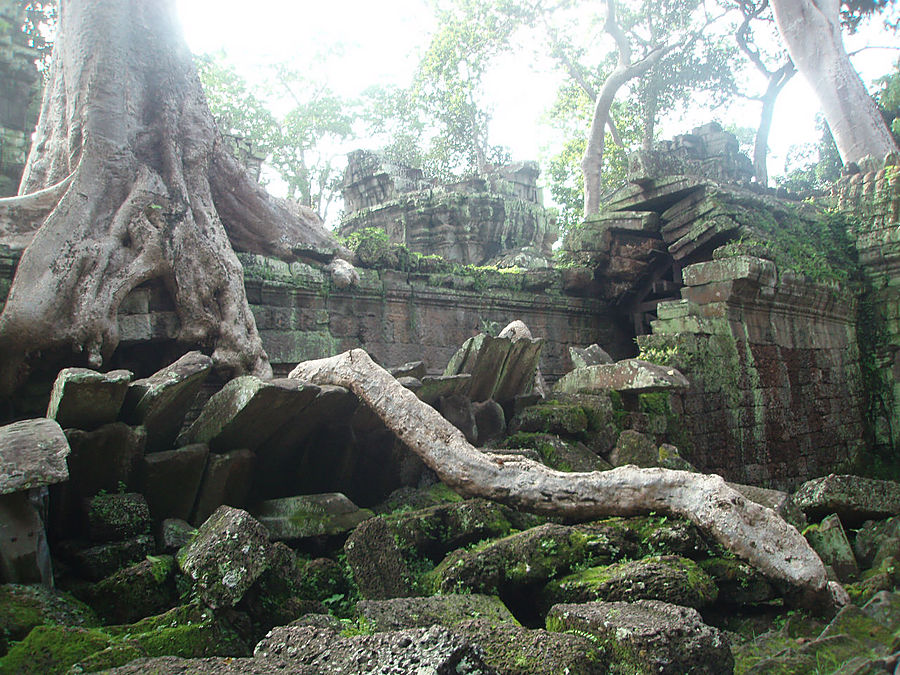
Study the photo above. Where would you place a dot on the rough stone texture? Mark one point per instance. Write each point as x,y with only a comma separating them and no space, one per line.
649,636
853,498
872,193
32,454
112,517
830,542
226,480
870,538
143,589
442,610
884,607
24,554
160,402
494,213
490,421
592,355
428,650
773,363
24,607
501,367
309,515
525,559
247,411
170,480
99,561
378,565
85,399
513,650
104,459
228,554
667,578
631,375
738,582
780,502
175,533
636,448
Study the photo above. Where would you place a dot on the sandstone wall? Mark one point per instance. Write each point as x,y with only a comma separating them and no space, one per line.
775,393
873,196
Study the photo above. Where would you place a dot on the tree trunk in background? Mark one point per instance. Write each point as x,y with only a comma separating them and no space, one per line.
128,181
811,29
777,80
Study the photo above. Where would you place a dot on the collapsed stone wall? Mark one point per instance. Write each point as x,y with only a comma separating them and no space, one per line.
471,221
773,362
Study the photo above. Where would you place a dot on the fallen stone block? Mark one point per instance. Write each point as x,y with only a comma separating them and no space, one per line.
668,578
226,480
247,412
104,459
85,399
780,502
592,355
434,387
636,448
443,610
160,402
113,517
853,498
309,516
417,650
631,375
99,561
32,454
831,543
171,479
229,553
24,554
649,636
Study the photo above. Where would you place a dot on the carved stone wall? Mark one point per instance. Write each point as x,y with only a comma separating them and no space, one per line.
471,222
873,195
773,362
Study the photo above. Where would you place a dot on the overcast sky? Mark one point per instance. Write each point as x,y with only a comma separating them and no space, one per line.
381,42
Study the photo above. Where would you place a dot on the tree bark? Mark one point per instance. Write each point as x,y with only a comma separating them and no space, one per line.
128,180
777,80
625,70
811,29
751,531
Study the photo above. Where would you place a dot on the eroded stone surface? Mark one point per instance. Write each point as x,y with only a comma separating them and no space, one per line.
649,636
445,610
160,402
226,556
853,498
85,399
32,454
309,515
631,375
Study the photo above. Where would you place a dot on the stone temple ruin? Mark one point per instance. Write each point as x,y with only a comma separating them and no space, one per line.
497,216
690,328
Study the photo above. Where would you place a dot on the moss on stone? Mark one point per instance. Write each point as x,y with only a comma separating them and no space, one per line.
24,607
52,650
671,579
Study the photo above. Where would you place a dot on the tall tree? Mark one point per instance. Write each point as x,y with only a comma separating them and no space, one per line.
753,11
811,29
128,180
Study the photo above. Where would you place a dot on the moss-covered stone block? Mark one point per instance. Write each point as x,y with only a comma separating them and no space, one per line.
671,579
559,419
53,649
24,607
144,589
527,558
830,541
445,610
117,516
738,582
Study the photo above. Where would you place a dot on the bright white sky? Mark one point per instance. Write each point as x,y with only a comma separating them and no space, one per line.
383,40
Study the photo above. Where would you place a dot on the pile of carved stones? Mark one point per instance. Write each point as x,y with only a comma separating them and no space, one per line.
180,541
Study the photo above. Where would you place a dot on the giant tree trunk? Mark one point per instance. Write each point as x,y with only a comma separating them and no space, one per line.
128,180
625,70
749,530
811,29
